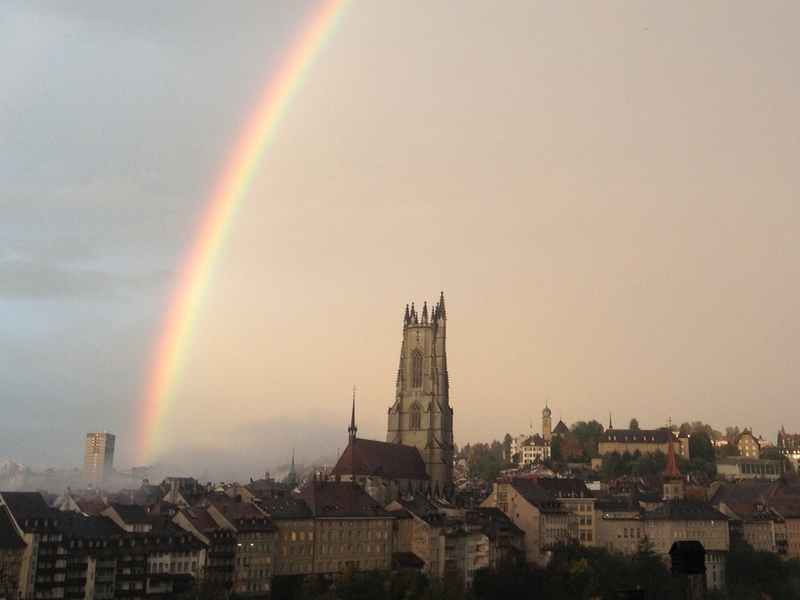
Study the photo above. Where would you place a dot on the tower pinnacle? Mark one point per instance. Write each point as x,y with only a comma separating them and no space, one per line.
351,431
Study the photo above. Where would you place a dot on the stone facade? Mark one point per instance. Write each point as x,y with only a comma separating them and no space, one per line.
421,415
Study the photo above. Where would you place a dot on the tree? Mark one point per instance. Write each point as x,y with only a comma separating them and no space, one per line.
614,466
483,462
634,424
571,449
731,433
650,464
587,434
507,445
556,443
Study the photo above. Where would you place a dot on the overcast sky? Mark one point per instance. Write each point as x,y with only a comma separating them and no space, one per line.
606,193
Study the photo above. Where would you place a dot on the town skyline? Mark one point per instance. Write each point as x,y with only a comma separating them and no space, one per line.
606,196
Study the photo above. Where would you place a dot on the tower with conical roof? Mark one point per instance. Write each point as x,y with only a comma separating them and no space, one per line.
421,415
673,478
547,424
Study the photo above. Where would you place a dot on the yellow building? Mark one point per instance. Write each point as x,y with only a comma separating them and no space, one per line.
643,441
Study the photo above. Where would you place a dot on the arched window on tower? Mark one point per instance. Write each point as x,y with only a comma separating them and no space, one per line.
416,370
414,417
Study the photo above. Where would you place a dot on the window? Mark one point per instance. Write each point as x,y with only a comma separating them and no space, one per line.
414,420
416,369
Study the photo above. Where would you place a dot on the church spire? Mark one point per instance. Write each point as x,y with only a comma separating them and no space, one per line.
610,426
352,429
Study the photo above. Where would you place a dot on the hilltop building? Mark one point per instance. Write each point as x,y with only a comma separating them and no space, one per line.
642,440
98,458
789,445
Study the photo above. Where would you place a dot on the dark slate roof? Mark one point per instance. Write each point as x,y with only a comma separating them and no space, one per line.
565,487
787,506
370,457
286,508
26,504
685,510
661,435
754,492
340,499
541,498
80,526
9,538
561,428
421,506
245,516
131,513
531,490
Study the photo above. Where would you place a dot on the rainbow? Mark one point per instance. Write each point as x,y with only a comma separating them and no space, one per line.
218,219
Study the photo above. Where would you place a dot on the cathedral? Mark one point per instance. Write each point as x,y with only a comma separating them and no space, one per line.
417,456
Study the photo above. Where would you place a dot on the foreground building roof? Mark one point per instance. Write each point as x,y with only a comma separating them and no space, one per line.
340,499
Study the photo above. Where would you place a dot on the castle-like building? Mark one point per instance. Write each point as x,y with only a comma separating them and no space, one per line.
417,456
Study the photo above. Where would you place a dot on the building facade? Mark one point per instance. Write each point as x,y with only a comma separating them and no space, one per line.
98,458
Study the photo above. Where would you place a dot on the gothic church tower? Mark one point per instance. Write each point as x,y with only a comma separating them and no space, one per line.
421,415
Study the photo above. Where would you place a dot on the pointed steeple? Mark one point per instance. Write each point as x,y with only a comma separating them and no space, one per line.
425,312
673,472
441,306
351,431
610,426
673,478
407,318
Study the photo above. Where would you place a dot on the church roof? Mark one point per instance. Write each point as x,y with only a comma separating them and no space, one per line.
370,457
561,428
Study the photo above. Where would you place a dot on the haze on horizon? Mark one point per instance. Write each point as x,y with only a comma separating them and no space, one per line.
606,194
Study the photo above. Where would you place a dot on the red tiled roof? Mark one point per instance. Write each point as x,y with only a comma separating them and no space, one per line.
370,457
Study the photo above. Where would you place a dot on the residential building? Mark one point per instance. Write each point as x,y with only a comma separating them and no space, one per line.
544,519
576,497
352,531
294,539
619,525
221,556
789,446
747,444
685,519
12,550
167,557
98,458
530,449
255,537
788,507
760,526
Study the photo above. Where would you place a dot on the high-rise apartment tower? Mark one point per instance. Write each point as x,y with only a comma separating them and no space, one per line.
98,459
